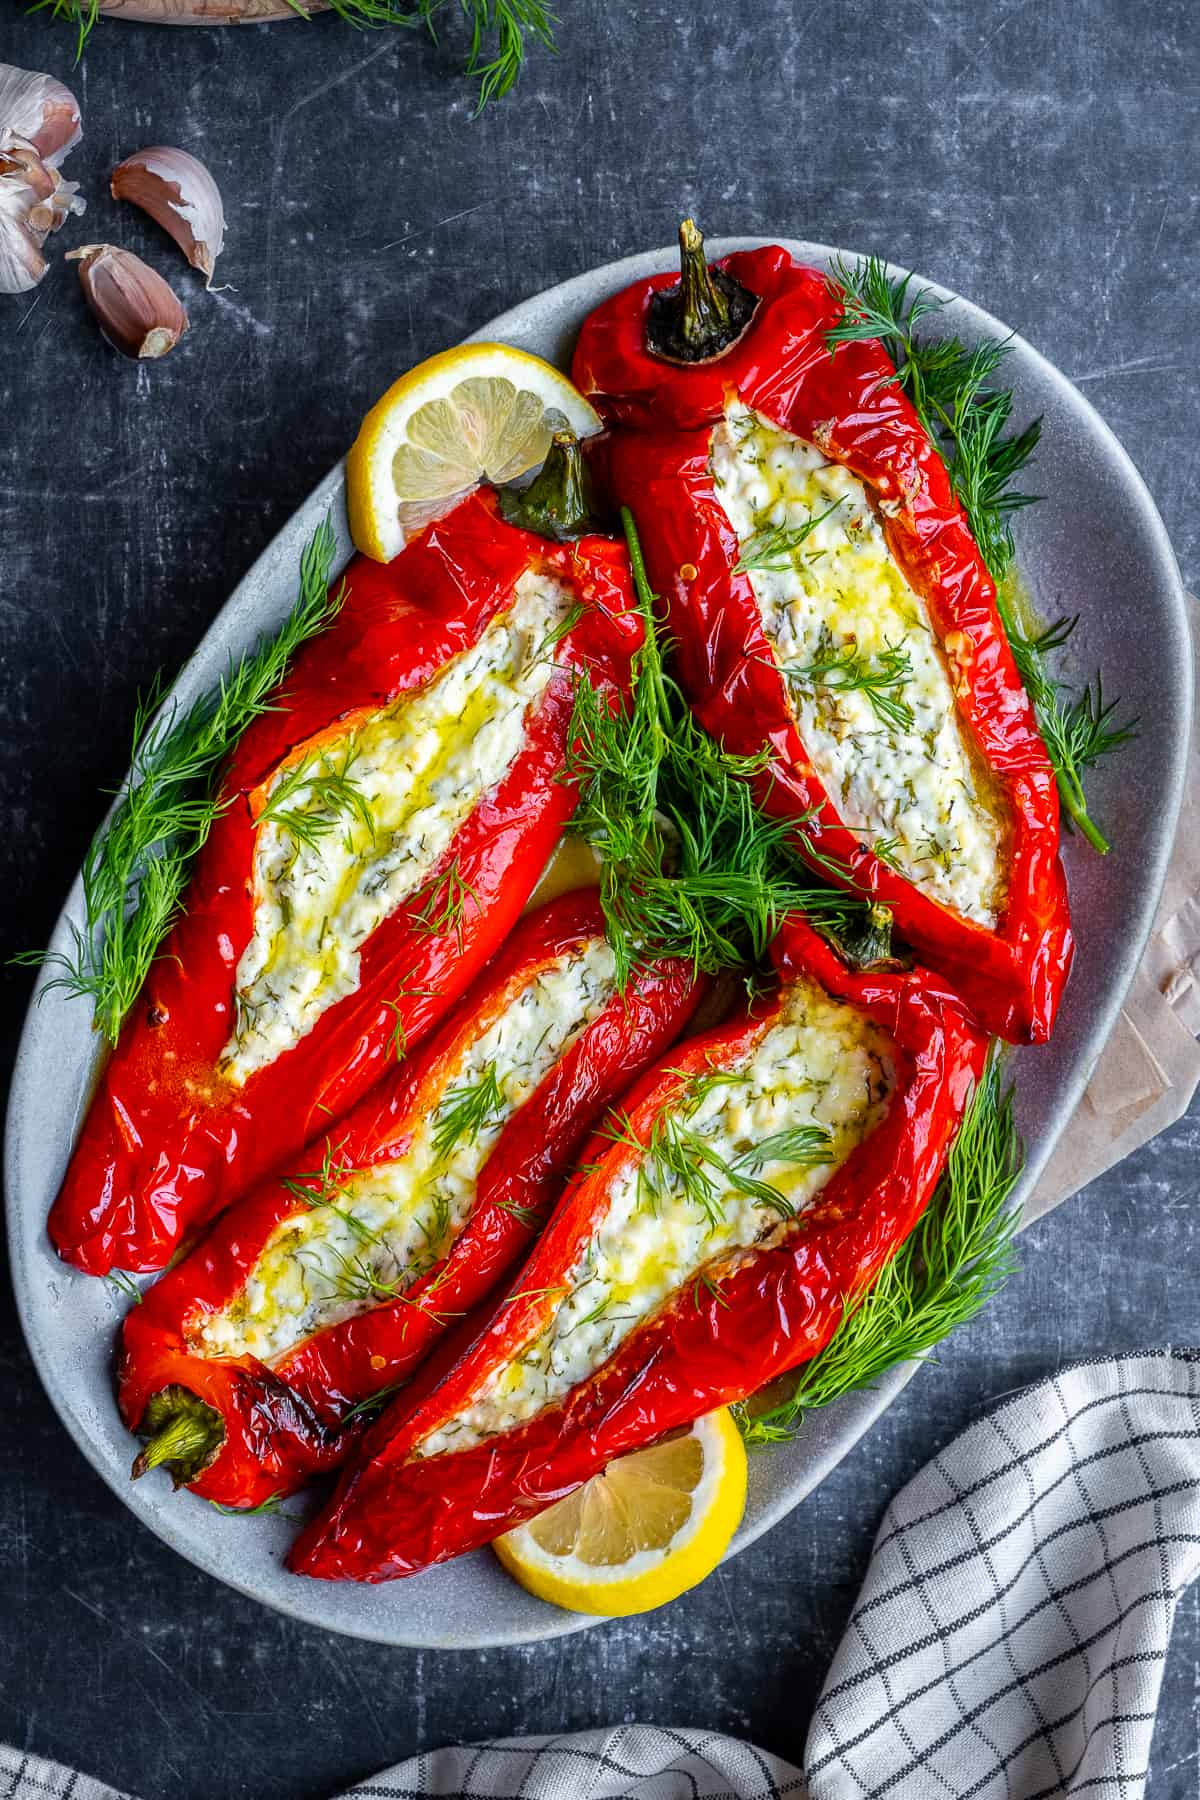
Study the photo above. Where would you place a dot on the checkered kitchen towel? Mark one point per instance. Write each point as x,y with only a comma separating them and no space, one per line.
1008,1643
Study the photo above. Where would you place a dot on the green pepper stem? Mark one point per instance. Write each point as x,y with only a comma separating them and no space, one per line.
558,502
867,944
704,310
703,313
185,1432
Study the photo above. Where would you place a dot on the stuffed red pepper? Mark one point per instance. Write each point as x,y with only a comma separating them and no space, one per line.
332,1281
761,1174
827,600
386,823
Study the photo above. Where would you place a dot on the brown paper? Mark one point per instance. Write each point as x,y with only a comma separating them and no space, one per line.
1150,1067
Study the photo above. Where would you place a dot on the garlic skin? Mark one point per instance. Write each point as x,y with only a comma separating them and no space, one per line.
38,111
39,124
135,309
179,194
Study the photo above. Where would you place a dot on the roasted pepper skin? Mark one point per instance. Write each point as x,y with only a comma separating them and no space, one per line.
168,1140
849,406
766,1311
286,1423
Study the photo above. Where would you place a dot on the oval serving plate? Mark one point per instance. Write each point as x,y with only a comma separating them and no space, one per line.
1095,546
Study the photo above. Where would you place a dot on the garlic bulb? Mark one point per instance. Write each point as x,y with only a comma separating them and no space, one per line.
136,310
39,111
39,124
180,195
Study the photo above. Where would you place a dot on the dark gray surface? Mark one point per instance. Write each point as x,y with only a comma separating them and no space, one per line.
1041,158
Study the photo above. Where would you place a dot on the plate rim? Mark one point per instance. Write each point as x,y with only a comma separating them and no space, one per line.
328,494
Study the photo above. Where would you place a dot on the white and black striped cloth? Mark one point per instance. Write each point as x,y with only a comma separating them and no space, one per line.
1008,1643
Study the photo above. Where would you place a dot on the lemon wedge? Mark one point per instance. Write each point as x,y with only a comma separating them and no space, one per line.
651,1526
482,412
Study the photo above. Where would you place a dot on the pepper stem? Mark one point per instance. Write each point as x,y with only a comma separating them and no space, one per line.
868,945
558,503
704,310
704,313
185,1432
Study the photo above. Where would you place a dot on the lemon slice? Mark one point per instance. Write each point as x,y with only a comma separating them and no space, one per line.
482,412
651,1526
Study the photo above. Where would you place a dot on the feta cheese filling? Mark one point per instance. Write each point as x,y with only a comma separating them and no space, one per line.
871,686
361,824
370,1233
734,1164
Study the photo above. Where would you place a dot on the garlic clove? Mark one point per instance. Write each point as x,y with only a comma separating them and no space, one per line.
39,110
23,161
34,201
179,194
136,310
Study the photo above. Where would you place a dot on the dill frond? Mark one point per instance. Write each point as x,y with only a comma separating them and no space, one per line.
445,905
954,393
960,1254
465,1111
272,1506
137,865
323,1186
676,1160
499,31
311,801
774,548
690,864
848,671
372,1403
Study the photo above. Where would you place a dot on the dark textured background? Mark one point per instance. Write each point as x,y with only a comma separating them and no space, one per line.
1040,156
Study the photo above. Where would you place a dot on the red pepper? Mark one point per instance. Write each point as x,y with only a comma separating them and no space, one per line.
169,1138
238,1431
751,1316
846,404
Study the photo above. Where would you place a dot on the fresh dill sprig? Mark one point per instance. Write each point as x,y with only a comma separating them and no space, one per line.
529,1216
321,1187
953,391
958,1257
465,1111
1078,729
446,904
705,1280
82,14
371,1403
849,671
138,863
326,793
690,864
802,1146
500,30
273,1505
676,1159
774,548
554,637
511,23
122,1283
398,1037
358,1281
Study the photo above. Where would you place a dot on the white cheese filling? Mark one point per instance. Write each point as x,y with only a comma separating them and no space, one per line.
869,682
822,1073
375,1231
360,825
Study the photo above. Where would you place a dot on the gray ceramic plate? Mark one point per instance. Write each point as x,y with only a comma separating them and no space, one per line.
1095,546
